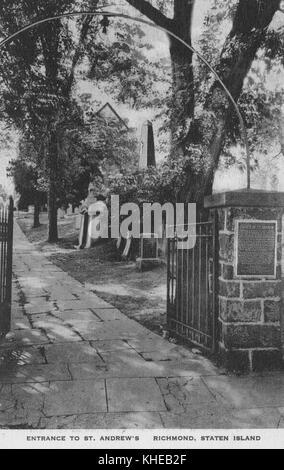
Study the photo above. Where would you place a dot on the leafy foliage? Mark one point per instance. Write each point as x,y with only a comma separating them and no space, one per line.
259,102
160,184
26,178
94,149
123,65
39,71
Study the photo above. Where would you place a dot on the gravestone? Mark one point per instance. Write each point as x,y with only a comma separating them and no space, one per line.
78,221
251,318
148,252
127,248
149,248
61,213
69,210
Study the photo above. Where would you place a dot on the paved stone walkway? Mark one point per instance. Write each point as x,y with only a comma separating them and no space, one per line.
77,362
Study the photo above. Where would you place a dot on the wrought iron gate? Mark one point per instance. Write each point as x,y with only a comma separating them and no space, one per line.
6,248
192,288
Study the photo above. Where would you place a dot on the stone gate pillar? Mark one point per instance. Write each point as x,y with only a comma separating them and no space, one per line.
250,279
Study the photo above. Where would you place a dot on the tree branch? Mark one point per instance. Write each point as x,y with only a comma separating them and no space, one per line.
250,24
83,34
152,13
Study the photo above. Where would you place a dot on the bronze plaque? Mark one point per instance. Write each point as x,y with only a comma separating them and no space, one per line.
256,248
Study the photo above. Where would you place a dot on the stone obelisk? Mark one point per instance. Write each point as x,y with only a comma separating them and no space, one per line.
147,148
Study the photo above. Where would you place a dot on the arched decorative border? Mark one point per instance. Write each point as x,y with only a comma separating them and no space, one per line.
152,25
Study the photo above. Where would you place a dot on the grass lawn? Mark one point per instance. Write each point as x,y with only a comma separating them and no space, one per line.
141,296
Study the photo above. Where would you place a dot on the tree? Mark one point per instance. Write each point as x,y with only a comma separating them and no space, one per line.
259,103
27,180
121,64
182,106
198,138
37,77
39,71
93,148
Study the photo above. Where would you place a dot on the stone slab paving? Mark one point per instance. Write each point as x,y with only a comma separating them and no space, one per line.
77,362
134,394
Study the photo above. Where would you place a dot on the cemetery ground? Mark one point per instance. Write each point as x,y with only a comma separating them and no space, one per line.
74,360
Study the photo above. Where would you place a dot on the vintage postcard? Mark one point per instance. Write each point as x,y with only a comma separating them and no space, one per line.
141,225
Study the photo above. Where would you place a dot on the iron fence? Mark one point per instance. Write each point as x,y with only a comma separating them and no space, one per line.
6,248
192,288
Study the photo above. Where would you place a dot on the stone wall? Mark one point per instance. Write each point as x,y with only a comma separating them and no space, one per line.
249,309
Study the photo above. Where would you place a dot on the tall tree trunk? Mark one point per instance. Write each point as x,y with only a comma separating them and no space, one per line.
36,212
50,39
182,106
52,188
52,215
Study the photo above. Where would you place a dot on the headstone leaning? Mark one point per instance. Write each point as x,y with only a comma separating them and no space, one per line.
70,210
78,221
148,252
60,213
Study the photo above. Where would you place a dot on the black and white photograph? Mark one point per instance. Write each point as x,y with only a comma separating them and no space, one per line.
141,223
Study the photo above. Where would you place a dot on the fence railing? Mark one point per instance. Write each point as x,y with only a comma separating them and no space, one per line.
6,250
192,288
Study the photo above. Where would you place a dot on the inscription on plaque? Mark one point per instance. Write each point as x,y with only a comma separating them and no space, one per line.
256,245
